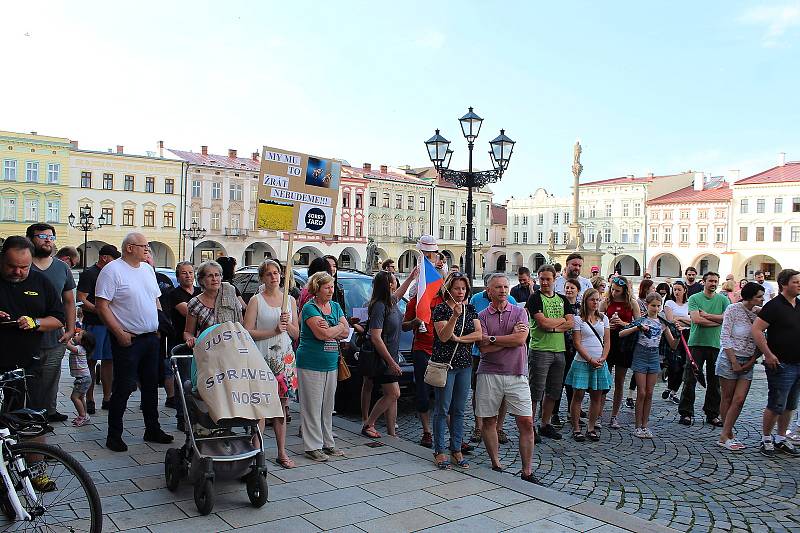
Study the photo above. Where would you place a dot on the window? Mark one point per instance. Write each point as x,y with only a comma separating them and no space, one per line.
684,214
130,181
566,237
540,238
373,199
127,217
608,210
702,234
524,237
463,209
555,238
719,213
516,237
591,235
668,215
653,234
215,221
743,206
422,203
441,232
234,225
516,220
149,184
358,226
486,238
540,219
195,188
385,200
637,209
53,173
566,218
667,234
743,233
359,200
108,215
53,211
108,182
777,234
169,186
796,205
149,218
779,205
195,216
169,219
624,236
582,212
86,180
720,231
452,208
32,210
702,214
452,232
385,227
795,234
441,207
636,232
345,200
32,171
625,210
684,234
524,220
555,218
10,169
760,233
216,191
464,233
592,212
607,235
236,192
345,227
760,204
9,209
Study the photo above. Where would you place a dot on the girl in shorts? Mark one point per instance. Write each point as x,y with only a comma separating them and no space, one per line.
80,348
646,363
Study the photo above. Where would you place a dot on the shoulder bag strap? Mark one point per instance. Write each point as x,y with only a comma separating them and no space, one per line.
596,335
463,321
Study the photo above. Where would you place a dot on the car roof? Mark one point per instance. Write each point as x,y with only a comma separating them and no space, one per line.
342,273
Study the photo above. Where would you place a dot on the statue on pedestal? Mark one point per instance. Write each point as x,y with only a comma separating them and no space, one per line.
598,241
551,241
580,240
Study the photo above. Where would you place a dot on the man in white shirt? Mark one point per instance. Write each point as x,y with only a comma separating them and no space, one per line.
574,266
769,290
126,298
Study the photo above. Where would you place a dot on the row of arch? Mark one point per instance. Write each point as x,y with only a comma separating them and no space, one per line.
408,260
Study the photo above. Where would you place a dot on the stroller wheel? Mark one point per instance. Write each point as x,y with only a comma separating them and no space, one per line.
173,468
204,496
257,488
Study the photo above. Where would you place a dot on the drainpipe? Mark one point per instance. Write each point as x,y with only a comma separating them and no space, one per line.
645,234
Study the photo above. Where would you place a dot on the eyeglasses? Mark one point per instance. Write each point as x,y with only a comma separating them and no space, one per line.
45,237
619,281
142,246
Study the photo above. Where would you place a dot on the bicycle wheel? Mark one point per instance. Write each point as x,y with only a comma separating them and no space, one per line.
71,504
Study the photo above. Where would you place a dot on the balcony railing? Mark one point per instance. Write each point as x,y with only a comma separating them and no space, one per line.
236,232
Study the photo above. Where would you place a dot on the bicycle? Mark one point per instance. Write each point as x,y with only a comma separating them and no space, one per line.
42,488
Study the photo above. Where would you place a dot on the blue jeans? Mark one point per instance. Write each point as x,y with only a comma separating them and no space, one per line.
135,363
452,399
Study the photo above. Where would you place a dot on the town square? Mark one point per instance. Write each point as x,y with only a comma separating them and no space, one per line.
415,267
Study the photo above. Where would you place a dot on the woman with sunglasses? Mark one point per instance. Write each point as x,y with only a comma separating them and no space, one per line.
621,309
456,327
676,311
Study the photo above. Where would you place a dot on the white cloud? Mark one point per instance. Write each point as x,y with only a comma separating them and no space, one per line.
777,20
430,39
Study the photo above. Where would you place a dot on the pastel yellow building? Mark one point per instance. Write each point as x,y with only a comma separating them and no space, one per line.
34,182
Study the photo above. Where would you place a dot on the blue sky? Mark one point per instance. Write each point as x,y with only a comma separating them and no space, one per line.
647,87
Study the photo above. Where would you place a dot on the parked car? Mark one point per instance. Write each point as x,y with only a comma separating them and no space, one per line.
357,288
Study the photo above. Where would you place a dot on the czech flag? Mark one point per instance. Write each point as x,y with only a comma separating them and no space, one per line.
428,284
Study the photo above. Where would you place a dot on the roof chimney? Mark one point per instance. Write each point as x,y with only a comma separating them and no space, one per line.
231,153
699,181
733,176
74,144
781,159
255,157
120,149
651,175
160,148
367,167
204,150
384,169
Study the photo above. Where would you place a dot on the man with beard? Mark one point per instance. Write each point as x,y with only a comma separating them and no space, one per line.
43,390
574,266
692,285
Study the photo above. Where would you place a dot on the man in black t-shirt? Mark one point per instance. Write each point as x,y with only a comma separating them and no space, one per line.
780,318
29,305
91,321
692,285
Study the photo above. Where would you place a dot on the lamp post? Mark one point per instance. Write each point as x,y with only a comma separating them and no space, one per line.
85,223
440,155
615,250
193,233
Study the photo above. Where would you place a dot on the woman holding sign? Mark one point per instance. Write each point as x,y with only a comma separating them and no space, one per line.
273,331
323,325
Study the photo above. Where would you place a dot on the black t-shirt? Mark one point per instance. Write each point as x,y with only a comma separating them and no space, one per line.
694,288
87,283
783,333
521,293
179,296
34,297
165,286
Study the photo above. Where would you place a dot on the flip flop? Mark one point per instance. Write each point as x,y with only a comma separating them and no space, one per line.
443,465
285,463
370,432
732,445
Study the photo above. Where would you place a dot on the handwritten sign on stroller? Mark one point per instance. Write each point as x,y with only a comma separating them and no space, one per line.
233,379
297,192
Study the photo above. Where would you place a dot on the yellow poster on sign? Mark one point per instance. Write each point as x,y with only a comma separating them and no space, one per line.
297,192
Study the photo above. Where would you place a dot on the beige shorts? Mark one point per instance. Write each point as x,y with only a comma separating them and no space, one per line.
492,388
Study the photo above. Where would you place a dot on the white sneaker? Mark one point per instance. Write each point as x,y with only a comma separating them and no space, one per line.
647,433
793,436
615,423
639,432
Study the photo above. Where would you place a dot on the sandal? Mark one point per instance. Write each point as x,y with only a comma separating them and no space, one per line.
463,463
369,431
497,468
578,436
716,422
593,436
444,464
732,445
685,420
285,462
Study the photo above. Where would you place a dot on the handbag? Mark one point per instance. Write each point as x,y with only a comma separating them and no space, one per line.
344,370
436,373
370,361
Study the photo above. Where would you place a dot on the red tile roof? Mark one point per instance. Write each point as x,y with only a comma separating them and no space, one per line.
388,176
499,214
218,161
718,193
782,174
628,179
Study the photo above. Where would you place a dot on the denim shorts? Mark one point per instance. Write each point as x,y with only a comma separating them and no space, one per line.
81,384
724,369
784,387
646,360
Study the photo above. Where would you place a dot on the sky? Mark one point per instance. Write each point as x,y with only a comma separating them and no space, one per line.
646,87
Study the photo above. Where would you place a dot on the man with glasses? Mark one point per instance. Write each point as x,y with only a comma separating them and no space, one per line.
127,302
69,255
43,389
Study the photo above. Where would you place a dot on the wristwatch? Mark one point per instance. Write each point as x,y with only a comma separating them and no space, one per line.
492,339
37,323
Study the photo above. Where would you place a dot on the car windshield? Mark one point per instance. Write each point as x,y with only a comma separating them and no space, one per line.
357,292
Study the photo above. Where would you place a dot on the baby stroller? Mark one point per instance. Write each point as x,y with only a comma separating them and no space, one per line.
224,450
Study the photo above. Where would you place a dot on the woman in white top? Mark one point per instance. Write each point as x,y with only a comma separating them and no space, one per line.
676,309
589,371
273,331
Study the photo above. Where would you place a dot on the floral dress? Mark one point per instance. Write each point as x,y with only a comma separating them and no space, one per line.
277,350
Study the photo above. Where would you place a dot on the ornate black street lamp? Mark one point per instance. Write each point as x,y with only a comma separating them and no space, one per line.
85,224
440,155
193,233
615,250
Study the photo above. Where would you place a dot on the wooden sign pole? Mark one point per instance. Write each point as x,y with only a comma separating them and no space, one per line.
287,283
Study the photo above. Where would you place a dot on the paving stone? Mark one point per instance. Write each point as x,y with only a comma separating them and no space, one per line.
190,525
525,512
412,520
296,489
457,508
294,524
405,501
542,526
505,496
338,497
575,520
400,484
136,518
358,477
249,515
472,523
304,472
342,516
462,487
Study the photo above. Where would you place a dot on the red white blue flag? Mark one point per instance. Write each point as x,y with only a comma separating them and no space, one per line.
428,284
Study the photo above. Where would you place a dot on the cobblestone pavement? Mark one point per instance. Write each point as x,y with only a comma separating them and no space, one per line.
680,479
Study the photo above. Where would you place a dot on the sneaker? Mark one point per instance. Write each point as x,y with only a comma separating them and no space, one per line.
787,447
426,440
556,422
647,433
316,455
615,423
630,403
79,421
159,437
666,394
170,403
57,417
767,448
674,398
476,435
550,432
116,444
502,438
43,483
105,405
639,432
333,452
793,436
91,408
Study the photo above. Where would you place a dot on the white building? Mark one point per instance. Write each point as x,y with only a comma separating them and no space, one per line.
529,223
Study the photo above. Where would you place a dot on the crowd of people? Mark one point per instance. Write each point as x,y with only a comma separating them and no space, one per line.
515,350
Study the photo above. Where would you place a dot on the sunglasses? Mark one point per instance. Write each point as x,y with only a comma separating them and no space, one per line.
45,237
619,281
